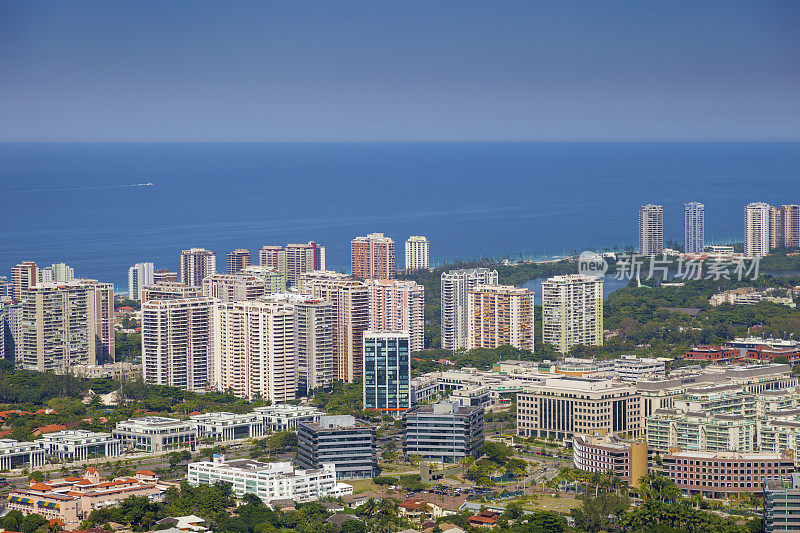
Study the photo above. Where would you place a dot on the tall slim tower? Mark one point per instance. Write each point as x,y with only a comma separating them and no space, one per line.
756,229
416,253
693,227
372,257
572,311
23,276
456,284
196,264
103,302
790,226
238,260
387,371
139,275
651,229
58,272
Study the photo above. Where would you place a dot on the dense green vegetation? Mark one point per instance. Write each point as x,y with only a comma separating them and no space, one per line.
128,347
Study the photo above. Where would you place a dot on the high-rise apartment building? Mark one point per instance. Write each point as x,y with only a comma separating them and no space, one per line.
6,289
350,301
177,342
789,226
254,350
293,259
572,311
756,229
169,290
11,314
456,284
693,227
164,276
234,287
387,371
314,325
396,305
139,275
103,302
372,257
500,315
58,326
775,224
238,260
416,253
24,276
196,264
306,279
274,281
651,229
58,272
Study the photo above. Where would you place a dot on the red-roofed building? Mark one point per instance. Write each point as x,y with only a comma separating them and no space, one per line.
49,428
486,518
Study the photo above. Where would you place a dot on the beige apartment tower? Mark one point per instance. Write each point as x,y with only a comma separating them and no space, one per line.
572,311
238,260
416,253
789,226
500,315
455,319
350,301
177,342
651,229
372,257
103,302
234,287
293,259
756,229
196,264
396,305
170,290
254,350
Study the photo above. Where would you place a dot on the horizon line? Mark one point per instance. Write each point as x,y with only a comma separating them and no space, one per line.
407,141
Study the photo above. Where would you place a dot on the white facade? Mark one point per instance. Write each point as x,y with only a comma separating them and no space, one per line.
572,311
269,481
176,342
396,305
80,444
284,417
693,227
155,433
416,253
227,426
17,454
196,264
58,272
756,229
254,350
139,275
455,312
651,229
632,368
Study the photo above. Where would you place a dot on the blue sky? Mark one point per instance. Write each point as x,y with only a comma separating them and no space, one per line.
399,71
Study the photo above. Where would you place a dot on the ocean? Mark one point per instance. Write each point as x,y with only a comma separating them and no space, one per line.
82,203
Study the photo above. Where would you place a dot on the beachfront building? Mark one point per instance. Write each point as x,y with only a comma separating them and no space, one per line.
233,287
417,255
57,272
456,285
372,257
293,259
177,342
559,408
343,441
396,305
196,264
155,434
500,315
756,229
79,444
170,290
254,350
693,228
572,311
227,426
269,481
651,229
387,371
20,454
238,260
350,299
443,432
286,417
139,275
314,345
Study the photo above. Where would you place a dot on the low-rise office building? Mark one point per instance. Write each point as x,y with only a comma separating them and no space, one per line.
602,453
155,434
343,441
80,444
285,417
17,454
227,426
443,432
782,504
721,474
269,481
632,368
